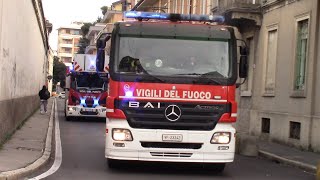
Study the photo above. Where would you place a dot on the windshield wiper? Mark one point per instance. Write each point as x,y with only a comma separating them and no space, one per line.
86,88
202,77
92,89
150,77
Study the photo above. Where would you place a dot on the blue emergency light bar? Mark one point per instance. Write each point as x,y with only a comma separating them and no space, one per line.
173,17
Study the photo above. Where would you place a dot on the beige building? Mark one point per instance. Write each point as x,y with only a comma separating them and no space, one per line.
68,42
92,37
23,61
177,6
280,100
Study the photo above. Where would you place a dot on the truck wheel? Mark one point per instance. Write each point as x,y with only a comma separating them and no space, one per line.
113,164
217,167
68,118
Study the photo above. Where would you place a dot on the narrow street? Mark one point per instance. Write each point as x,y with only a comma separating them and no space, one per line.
83,158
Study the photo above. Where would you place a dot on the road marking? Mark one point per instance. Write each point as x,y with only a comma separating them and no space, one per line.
58,153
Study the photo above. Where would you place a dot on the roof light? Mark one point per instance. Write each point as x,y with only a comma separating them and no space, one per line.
173,17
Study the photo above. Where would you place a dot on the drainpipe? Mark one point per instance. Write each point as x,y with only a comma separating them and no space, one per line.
190,8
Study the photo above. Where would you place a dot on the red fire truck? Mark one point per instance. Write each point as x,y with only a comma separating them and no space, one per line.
86,89
172,89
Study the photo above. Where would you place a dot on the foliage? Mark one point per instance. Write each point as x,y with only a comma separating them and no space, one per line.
83,43
99,19
104,9
85,28
59,71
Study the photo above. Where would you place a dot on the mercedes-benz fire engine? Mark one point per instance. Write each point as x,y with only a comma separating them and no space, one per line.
86,89
172,89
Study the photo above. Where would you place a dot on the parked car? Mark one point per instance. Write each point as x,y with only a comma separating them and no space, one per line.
62,95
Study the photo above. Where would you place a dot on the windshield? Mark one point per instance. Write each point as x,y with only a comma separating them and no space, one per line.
173,57
89,81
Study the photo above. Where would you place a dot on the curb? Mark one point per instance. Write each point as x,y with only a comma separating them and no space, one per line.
304,166
23,172
318,171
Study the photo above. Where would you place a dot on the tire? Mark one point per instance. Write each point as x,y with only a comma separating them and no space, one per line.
217,167
68,118
113,164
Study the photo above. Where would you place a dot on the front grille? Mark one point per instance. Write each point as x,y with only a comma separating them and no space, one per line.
166,154
89,102
193,116
171,145
88,113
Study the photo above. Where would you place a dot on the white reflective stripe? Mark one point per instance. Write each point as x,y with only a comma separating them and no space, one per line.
110,110
233,114
179,99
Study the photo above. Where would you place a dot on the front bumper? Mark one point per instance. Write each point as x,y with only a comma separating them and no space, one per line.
134,150
79,111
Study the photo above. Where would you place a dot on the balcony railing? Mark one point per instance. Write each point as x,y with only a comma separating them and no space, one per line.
227,5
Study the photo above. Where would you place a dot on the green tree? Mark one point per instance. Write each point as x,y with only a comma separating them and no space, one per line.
104,9
99,19
85,28
59,71
83,43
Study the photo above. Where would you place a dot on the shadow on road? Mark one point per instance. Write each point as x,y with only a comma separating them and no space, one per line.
160,168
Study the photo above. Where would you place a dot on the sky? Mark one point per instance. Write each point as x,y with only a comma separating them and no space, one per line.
64,12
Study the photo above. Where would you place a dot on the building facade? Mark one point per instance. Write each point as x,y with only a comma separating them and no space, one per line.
92,36
68,42
23,61
279,101
177,6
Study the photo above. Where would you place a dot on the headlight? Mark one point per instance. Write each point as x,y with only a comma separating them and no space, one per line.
121,135
72,109
221,138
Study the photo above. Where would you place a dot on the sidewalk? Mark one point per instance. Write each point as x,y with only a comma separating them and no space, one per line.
29,148
291,156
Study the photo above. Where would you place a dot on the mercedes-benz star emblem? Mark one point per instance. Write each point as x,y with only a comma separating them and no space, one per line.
173,113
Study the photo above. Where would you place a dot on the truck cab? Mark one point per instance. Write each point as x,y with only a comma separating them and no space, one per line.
86,89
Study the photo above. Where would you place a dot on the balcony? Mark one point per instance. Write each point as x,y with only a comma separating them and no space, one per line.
112,16
66,45
240,13
63,54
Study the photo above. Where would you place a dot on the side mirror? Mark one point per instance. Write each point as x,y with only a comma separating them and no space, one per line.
243,65
101,44
68,82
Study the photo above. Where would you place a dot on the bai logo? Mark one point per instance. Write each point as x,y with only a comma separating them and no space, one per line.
134,104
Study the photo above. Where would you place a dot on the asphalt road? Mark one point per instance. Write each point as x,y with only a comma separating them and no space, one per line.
83,158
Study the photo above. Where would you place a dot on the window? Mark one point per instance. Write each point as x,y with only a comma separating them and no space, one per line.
295,129
76,32
67,31
247,86
265,125
159,57
301,54
271,60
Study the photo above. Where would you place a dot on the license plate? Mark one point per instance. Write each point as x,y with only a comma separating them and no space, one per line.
89,110
172,137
